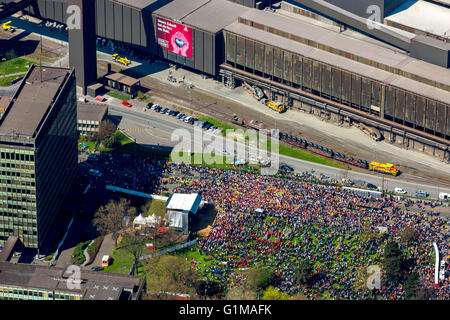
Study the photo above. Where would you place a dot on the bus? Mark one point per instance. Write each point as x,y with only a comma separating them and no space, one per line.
278,107
388,168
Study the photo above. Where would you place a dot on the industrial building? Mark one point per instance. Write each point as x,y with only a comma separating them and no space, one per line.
89,116
320,56
38,153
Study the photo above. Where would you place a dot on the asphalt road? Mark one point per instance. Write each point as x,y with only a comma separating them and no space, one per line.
151,128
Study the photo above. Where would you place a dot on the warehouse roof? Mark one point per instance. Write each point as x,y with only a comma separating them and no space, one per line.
345,43
208,15
33,101
339,61
178,9
424,16
215,15
143,4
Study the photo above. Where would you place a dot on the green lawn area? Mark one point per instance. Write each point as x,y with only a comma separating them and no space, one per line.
117,96
124,140
122,261
14,66
6,81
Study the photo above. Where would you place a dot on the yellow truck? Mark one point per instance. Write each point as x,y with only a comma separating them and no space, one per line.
122,60
388,168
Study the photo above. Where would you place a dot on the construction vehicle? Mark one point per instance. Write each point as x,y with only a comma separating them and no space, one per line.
256,92
278,107
122,60
387,168
7,25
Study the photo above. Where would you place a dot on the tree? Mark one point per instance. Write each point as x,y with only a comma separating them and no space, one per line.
392,261
172,274
272,293
109,218
304,271
411,286
408,235
134,244
106,129
258,278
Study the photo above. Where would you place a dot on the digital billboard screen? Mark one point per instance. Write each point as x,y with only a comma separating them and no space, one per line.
174,37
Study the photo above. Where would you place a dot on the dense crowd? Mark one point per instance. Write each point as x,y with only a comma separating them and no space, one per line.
303,220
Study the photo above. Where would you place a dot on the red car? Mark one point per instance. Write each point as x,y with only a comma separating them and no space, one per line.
126,104
100,99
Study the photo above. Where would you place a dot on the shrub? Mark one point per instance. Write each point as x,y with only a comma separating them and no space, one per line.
78,255
92,250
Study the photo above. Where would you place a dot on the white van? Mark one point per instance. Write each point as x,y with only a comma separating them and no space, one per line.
444,196
399,190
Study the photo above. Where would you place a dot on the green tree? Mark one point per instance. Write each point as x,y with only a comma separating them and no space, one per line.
135,245
172,274
411,286
408,235
272,293
304,271
392,261
258,278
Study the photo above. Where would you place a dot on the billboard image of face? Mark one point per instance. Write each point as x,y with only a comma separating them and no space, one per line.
174,37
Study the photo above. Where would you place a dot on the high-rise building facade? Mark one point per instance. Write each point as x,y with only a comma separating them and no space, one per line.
38,153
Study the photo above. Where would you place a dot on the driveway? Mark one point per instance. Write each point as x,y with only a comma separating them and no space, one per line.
105,249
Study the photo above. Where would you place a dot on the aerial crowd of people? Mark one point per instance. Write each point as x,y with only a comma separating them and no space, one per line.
280,221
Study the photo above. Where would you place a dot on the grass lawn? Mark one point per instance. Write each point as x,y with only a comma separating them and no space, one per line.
14,66
122,261
117,96
6,81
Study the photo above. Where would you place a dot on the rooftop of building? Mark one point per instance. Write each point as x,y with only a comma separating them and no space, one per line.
94,285
123,79
90,111
341,62
336,40
424,16
33,101
208,15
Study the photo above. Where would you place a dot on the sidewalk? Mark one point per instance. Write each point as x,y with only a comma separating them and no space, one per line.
105,249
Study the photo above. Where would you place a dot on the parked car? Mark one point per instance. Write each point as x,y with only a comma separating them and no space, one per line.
286,168
163,110
371,186
180,115
421,193
154,107
149,105
95,173
126,104
175,113
399,190
97,268
100,99
187,119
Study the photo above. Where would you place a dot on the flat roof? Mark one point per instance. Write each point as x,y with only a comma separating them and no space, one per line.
34,100
339,61
94,285
208,15
178,9
424,16
215,15
346,43
121,78
91,111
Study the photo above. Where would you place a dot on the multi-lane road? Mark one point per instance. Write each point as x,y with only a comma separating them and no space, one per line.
152,128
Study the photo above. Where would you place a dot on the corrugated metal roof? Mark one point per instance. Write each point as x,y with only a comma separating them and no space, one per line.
178,9
339,61
346,43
